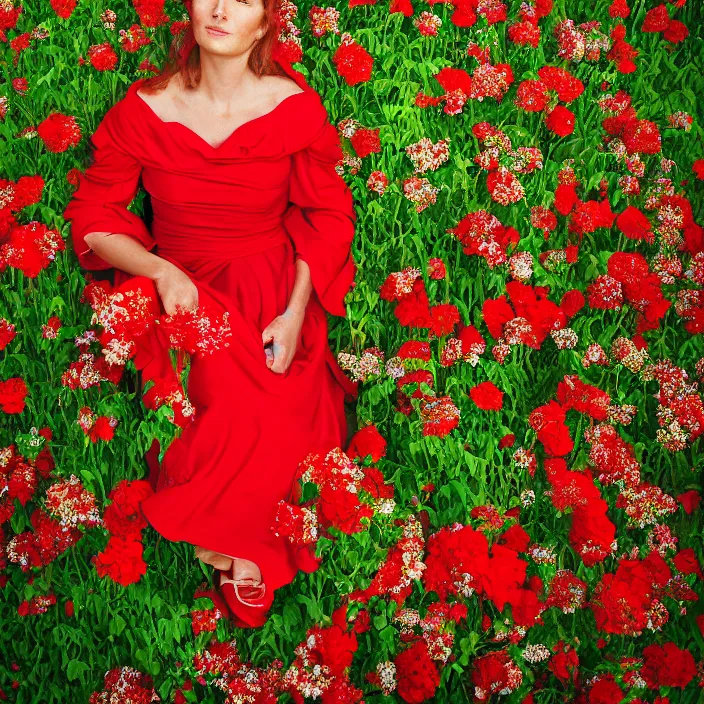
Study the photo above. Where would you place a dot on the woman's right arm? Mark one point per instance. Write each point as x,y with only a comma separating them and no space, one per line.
104,232
126,253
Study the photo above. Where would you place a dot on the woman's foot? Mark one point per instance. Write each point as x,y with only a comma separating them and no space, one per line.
246,595
246,569
217,560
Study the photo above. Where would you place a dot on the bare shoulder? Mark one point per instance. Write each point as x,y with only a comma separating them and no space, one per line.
174,98
162,97
283,86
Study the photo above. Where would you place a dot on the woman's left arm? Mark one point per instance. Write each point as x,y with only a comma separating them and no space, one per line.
284,331
302,289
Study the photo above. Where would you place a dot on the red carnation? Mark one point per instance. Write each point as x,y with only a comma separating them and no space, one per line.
548,421
560,121
635,225
487,396
605,691
676,32
667,666
656,20
686,562
566,198
121,561
367,441
690,500
515,538
572,302
416,674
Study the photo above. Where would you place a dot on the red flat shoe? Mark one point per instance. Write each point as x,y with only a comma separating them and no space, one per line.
247,598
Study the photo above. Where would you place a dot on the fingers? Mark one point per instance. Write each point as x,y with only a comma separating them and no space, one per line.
188,307
269,356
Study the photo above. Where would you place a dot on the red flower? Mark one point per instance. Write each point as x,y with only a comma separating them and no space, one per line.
487,396
564,664
12,395
494,672
605,691
341,508
507,441
560,121
690,500
567,87
548,421
656,20
572,302
444,318
123,517
121,561
686,562
667,666
635,225
532,96
416,674
676,32
566,198
515,538
365,141
698,169
572,392
367,441
619,8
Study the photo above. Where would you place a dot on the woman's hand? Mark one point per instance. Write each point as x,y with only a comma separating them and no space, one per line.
283,331
176,288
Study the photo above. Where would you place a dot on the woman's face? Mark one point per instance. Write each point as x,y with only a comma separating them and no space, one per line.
241,19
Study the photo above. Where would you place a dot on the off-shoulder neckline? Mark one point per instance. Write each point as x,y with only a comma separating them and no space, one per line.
286,101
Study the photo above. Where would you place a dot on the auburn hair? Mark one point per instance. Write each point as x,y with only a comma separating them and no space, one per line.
184,54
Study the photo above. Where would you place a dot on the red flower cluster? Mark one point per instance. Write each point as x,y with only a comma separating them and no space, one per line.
495,673
482,233
526,30
413,309
417,674
635,225
555,84
528,322
348,496
503,163
122,559
658,20
460,563
402,566
667,666
125,684
592,535
637,136
13,393
487,396
622,53
630,280
628,601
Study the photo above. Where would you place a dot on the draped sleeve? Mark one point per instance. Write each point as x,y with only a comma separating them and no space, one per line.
320,218
105,189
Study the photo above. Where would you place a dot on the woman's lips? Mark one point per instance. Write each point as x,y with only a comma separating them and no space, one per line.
216,33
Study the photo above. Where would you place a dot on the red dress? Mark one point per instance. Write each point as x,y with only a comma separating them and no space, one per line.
235,218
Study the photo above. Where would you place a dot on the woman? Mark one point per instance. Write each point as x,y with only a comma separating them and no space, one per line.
248,210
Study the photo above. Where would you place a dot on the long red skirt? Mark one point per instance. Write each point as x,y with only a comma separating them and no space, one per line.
219,483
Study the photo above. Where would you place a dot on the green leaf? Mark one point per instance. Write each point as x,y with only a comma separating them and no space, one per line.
75,669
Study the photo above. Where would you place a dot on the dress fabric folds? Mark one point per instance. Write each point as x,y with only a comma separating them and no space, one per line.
235,217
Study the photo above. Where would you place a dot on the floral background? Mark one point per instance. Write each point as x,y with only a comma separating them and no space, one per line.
517,516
